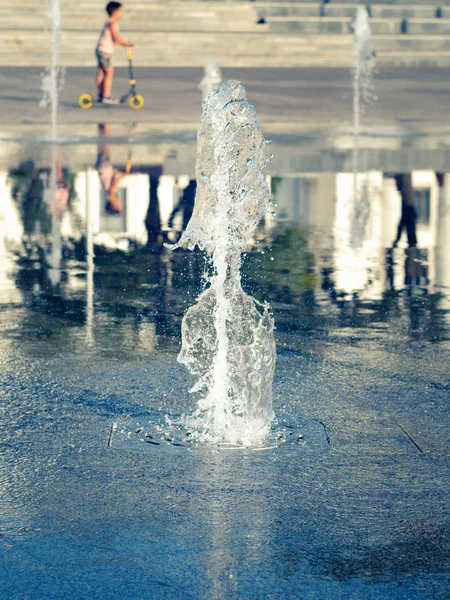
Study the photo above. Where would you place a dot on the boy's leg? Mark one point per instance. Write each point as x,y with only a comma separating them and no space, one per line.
100,81
108,81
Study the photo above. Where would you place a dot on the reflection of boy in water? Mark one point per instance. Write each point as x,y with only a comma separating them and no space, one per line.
109,177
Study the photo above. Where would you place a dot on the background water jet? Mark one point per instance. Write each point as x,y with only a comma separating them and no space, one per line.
212,78
228,341
52,82
364,65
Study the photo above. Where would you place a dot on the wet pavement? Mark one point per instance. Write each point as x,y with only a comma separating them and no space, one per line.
289,95
363,348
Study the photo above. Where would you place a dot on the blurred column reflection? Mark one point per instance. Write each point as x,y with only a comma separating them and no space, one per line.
391,211
442,246
357,233
89,263
11,234
56,197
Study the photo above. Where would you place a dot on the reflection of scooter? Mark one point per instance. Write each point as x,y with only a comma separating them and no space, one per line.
128,164
134,100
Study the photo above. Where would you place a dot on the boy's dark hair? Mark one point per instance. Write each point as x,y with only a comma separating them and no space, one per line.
111,7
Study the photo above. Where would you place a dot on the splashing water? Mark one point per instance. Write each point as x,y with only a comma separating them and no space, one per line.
363,73
228,340
212,78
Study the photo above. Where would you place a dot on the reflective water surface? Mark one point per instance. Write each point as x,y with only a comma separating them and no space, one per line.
323,260
89,333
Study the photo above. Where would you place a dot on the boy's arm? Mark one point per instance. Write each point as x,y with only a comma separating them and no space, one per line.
120,41
118,176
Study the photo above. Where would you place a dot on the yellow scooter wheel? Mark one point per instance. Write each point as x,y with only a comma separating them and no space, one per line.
85,101
136,102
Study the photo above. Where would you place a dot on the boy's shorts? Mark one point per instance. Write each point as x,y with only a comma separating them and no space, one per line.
103,60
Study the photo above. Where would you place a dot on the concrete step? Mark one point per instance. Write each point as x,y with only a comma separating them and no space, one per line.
83,42
178,16
213,8
428,26
413,59
150,26
96,9
355,2
188,49
99,5
403,12
310,25
392,2
345,10
338,25
383,11
188,33
411,43
279,9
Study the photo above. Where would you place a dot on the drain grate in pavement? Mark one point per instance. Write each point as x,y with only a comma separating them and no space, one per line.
138,434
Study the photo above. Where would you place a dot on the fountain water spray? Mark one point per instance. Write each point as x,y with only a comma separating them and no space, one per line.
53,78
228,341
52,81
227,336
212,78
364,66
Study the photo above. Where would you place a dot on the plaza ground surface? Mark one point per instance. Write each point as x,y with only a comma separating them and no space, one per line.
295,96
365,516
306,113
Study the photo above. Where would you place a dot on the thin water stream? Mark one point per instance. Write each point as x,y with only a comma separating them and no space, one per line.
52,82
363,72
212,78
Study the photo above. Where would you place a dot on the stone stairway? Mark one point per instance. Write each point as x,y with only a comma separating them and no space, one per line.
237,32
406,32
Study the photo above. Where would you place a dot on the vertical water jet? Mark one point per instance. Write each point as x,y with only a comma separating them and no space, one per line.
52,81
227,336
363,73
212,78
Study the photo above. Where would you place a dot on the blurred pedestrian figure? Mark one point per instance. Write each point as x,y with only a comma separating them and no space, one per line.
153,217
408,218
185,204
